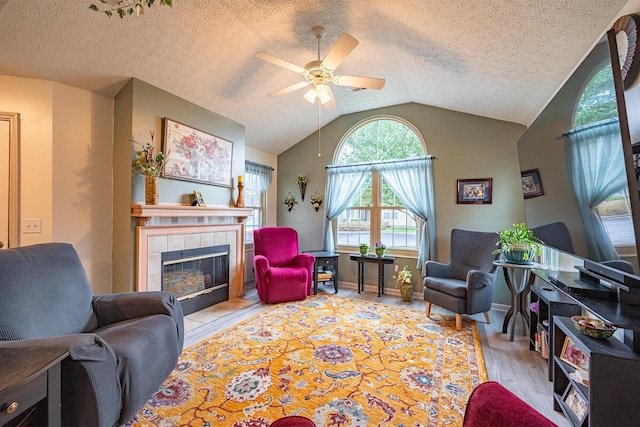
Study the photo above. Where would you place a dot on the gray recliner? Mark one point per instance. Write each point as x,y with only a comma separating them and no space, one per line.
121,346
464,285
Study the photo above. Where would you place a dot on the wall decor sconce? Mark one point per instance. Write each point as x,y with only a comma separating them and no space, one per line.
316,201
289,201
302,184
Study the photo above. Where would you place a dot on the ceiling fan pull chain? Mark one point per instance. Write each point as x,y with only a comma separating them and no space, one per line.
319,128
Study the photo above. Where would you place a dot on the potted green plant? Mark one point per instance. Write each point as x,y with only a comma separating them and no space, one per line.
380,248
364,248
518,245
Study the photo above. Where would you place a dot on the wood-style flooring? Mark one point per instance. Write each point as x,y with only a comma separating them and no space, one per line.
512,364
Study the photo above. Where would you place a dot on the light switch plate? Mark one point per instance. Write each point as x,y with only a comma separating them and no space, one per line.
32,225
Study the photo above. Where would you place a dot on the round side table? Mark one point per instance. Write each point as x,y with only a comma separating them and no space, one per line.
519,291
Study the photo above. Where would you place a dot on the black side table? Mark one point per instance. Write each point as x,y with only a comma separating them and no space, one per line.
328,261
381,261
30,384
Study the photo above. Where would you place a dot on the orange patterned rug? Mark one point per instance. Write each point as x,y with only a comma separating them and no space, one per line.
337,361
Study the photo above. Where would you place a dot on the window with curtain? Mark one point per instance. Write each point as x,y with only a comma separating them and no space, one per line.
597,104
375,213
257,179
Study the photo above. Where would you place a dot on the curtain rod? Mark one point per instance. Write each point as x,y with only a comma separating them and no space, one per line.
587,127
377,163
258,164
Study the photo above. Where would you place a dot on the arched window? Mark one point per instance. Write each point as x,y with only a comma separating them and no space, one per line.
597,105
597,100
376,214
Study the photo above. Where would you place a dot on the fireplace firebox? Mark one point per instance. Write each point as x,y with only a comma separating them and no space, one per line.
198,277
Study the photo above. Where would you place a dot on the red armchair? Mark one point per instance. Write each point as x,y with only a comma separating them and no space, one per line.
491,405
282,274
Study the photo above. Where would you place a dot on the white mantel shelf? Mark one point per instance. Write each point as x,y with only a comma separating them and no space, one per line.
145,212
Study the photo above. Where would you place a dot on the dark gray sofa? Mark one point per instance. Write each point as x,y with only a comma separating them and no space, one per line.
121,346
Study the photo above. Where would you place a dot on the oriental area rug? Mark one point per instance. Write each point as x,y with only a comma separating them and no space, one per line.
338,361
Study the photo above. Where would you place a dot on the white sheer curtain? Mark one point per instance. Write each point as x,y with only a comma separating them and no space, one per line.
595,159
412,182
343,184
263,177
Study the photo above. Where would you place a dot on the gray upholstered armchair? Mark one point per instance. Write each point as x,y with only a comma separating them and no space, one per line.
464,285
121,346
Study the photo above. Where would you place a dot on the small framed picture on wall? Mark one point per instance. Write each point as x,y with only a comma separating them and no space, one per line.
474,191
531,183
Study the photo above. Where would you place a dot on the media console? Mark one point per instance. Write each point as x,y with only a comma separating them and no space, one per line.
609,366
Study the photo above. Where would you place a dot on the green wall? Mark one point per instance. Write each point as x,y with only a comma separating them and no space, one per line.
140,108
466,146
541,147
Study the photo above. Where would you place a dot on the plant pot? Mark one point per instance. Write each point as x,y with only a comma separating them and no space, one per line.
379,252
364,250
406,291
151,190
519,254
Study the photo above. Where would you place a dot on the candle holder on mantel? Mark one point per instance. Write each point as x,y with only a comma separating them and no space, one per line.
240,201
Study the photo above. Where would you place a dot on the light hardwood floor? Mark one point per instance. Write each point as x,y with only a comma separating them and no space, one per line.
512,364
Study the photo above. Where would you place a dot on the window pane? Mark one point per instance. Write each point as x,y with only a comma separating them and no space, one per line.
598,100
616,217
399,228
363,197
354,227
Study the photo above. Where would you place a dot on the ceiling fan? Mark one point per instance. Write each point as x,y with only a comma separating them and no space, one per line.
319,73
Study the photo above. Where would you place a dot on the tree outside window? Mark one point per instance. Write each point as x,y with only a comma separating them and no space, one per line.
598,102
375,213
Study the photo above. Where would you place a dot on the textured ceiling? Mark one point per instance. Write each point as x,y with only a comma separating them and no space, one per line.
502,59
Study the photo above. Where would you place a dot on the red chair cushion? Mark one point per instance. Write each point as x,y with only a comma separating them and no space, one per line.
491,405
293,421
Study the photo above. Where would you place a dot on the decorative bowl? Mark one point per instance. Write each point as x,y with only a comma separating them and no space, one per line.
594,328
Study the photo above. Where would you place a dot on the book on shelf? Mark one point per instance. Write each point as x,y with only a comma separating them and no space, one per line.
323,276
544,344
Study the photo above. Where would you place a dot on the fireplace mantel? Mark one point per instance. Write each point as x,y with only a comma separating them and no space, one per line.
145,212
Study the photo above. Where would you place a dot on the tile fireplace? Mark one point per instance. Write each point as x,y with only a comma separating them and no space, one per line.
195,252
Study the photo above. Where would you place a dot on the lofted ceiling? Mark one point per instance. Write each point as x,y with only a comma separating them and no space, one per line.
502,59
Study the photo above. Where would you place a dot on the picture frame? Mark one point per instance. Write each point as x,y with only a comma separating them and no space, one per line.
574,400
199,198
574,356
196,156
531,183
474,191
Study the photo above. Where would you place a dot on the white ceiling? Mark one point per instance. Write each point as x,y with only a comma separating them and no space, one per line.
502,59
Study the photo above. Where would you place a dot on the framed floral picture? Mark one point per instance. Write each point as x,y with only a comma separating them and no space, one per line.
531,184
474,191
194,155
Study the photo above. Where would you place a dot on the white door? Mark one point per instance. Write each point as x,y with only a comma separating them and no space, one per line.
4,184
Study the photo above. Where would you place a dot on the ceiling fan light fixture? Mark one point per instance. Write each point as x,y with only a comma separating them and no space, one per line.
310,95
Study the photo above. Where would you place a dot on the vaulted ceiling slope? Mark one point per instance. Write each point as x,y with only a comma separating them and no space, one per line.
502,59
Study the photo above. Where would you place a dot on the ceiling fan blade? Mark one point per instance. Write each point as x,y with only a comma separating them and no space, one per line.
363,82
280,62
339,51
288,89
331,104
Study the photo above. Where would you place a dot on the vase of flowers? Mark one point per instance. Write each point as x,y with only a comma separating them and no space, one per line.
316,201
289,201
380,248
302,183
403,277
364,248
151,165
